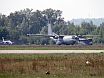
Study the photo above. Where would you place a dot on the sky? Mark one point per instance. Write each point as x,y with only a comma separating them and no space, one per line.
72,9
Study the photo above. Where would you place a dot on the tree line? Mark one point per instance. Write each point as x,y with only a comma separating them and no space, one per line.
17,25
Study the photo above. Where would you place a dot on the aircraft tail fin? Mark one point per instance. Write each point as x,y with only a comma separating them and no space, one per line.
50,30
50,33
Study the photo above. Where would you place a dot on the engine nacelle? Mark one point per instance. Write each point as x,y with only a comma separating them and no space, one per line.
56,37
59,42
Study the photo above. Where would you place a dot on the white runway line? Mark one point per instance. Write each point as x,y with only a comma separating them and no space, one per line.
49,51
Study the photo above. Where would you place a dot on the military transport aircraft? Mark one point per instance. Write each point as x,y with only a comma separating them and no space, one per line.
7,41
65,39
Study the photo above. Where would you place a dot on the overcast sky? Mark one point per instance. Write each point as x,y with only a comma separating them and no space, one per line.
72,9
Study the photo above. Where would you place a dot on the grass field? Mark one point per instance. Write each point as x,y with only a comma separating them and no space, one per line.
58,65
52,47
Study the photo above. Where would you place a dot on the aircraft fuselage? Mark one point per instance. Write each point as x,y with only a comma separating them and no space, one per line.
69,40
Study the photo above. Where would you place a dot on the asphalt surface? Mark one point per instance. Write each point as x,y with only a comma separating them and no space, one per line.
48,51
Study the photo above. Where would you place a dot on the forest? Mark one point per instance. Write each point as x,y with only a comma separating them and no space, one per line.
17,25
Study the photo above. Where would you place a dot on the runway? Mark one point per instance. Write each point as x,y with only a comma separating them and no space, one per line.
48,51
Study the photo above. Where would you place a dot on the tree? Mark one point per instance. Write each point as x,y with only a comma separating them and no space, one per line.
3,33
51,15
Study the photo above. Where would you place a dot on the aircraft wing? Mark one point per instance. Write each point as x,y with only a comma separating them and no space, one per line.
40,35
91,35
44,35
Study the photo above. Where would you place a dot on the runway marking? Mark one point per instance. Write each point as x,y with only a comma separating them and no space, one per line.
48,51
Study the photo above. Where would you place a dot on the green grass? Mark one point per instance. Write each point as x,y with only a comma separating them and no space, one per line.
60,65
45,76
51,47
